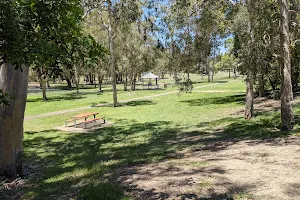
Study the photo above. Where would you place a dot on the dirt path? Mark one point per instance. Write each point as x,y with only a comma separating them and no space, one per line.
107,104
243,170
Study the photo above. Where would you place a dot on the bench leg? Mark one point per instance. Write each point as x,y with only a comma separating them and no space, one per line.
75,123
103,120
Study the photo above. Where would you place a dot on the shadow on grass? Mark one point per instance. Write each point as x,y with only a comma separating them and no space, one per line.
72,165
103,191
125,104
65,96
81,86
57,98
239,99
220,81
64,154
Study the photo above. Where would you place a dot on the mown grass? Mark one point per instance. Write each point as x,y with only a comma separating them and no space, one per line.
81,165
62,99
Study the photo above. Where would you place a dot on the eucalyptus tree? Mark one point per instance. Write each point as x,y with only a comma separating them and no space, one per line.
287,116
194,29
259,49
111,14
31,32
249,28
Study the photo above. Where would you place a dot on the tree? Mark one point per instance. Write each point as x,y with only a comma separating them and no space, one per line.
31,33
287,116
111,14
227,62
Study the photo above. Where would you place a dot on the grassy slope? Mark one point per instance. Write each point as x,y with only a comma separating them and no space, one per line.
67,165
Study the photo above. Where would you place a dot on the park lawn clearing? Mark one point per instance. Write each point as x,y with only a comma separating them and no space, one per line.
191,146
88,96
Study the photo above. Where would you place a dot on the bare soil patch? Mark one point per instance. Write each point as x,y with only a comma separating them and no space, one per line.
243,170
264,105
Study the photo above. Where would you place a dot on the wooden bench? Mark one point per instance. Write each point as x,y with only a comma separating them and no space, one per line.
84,116
92,121
72,120
69,120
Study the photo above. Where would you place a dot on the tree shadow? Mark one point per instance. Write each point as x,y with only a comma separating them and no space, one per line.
238,99
129,103
220,81
70,165
81,86
65,154
67,97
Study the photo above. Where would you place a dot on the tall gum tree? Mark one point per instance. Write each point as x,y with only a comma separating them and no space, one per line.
287,116
249,108
112,13
31,32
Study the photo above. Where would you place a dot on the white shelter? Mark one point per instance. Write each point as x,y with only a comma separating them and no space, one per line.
150,76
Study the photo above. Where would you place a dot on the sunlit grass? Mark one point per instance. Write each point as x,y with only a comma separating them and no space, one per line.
80,165
89,96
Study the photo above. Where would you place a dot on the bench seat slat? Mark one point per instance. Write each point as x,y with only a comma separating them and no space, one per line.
92,120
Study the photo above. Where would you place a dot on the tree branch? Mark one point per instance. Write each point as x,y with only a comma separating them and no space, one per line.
88,12
104,24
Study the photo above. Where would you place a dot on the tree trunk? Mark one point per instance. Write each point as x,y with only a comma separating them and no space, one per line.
77,78
287,116
229,73
176,77
234,72
112,56
42,82
213,68
100,79
249,108
68,82
261,85
208,70
126,80
91,82
133,82
15,83
249,97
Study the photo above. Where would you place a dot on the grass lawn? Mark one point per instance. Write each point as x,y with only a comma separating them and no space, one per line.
148,136
65,99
